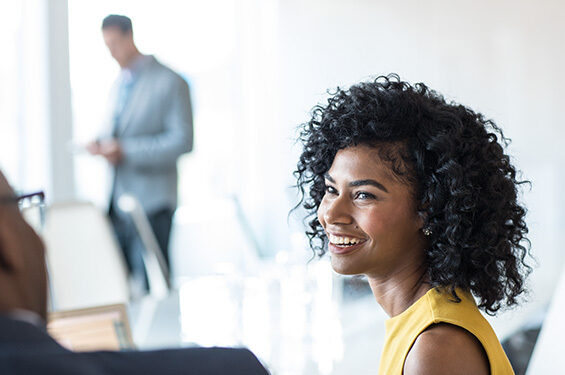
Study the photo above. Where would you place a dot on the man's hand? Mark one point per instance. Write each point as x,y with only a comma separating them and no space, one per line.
93,147
110,149
23,276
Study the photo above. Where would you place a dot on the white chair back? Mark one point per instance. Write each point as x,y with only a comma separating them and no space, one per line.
86,266
547,357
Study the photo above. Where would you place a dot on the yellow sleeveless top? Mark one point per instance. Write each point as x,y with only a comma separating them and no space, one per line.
437,307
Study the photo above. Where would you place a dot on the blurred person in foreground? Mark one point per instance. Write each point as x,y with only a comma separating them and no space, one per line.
25,346
149,125
417,194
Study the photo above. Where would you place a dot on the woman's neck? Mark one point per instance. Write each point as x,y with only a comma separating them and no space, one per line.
396,292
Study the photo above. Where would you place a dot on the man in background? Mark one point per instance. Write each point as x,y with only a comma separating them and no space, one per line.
25,346
149,126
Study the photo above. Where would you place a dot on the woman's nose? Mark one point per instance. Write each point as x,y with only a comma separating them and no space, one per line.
338,211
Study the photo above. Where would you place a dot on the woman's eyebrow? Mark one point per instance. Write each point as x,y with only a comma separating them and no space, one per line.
329,178
374,183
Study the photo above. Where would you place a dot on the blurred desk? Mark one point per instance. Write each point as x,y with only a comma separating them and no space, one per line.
549,353
292,318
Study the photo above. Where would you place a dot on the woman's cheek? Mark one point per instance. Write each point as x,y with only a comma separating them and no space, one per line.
320,213
373,221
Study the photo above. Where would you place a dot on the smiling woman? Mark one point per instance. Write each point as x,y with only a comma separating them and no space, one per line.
369,216
418,195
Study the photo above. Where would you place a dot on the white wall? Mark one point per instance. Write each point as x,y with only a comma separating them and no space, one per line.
35,98
502,58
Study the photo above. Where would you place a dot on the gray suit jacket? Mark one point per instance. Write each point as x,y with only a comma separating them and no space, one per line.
155,128
25,349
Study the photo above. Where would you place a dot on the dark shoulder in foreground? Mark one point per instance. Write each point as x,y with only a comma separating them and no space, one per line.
446,349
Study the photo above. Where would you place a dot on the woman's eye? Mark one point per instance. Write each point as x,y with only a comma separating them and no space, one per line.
364,195
331,190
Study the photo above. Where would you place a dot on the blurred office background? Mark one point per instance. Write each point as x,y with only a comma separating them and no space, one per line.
256,68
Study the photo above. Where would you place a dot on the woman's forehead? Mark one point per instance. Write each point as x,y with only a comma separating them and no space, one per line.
360,160
383,161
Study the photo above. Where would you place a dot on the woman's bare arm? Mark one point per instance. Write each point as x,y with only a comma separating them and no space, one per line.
446,349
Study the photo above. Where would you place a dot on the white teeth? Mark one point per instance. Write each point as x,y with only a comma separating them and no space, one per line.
338,240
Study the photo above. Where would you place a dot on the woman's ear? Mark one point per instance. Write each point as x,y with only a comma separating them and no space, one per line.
422,218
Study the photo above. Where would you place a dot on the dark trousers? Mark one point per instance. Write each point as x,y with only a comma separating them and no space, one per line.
130,241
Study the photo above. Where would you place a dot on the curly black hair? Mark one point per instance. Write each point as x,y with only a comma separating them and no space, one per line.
451,157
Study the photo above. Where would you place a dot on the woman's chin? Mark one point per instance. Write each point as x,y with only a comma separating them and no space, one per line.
343,268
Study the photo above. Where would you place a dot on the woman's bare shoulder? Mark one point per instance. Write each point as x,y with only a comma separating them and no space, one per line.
446,349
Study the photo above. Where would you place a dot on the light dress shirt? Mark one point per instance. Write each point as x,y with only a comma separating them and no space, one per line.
126,80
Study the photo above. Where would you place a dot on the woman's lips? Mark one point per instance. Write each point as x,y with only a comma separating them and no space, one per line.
341,250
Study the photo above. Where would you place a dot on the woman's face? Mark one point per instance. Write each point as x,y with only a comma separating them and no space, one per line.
369,216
